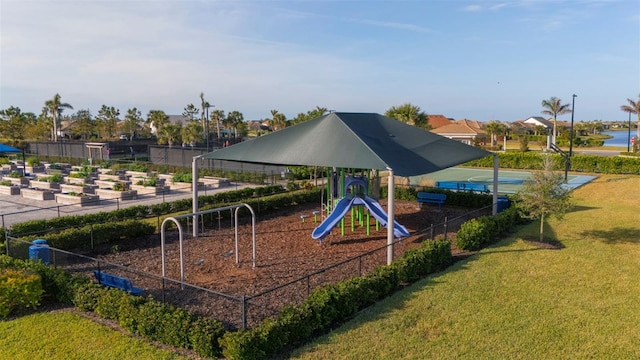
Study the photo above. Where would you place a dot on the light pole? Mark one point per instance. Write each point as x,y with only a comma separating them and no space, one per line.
573,110
207,125
629,133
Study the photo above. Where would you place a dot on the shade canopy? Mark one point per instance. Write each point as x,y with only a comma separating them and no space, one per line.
354,140
8,149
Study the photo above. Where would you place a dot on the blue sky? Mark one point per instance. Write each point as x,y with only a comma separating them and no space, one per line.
480,60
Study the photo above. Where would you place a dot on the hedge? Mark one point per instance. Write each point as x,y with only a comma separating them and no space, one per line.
482,231
579,162
333,304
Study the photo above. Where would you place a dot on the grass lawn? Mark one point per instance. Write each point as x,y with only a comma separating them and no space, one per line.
64,335
516,301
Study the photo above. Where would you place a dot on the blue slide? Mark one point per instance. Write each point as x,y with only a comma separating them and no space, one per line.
341,209
344,205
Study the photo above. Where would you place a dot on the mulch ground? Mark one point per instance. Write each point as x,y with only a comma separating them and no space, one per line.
285,251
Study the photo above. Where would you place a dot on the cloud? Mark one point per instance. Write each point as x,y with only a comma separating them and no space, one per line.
473,8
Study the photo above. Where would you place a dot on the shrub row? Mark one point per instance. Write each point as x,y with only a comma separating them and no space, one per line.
582,163
135,212
151,319
482,231
333,304
90,235
146,317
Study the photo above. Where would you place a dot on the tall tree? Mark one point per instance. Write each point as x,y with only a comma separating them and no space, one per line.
278,120
132,121
219,117
205,112
234,119
191,132
495,128
633,107
311,114
55,107
107,121
554,107
170,134
83,124
156,119
191,112
409,114
543,195
14,123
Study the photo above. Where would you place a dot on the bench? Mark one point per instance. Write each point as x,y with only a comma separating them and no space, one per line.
424,197
462,186
115,281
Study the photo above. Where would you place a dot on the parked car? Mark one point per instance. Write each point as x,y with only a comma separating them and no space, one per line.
124,137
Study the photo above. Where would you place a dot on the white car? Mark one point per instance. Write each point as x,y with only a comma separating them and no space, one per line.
124,137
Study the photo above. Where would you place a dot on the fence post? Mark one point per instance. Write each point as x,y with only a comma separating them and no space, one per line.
91,232
163,289
58,210
445,228
244,312
360,265
432,230
308,285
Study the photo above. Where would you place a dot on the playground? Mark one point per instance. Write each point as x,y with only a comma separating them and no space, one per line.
285,249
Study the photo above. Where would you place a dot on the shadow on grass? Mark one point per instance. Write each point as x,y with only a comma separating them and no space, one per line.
577,208
617,235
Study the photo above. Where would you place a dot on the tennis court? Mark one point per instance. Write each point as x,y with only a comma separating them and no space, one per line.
509,181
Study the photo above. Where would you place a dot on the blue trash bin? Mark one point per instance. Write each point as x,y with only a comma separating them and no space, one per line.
503,203
39,251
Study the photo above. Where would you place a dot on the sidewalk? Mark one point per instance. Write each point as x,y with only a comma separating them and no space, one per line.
16,209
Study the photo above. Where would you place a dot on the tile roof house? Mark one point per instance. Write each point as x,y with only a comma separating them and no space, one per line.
436,121
466,131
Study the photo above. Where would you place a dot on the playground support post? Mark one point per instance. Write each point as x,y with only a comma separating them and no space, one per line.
390,213
194,189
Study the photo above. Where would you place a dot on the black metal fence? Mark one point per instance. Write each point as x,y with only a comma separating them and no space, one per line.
234,311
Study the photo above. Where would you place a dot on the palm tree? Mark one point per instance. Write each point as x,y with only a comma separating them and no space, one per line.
157,119
205,106
218,115
553,107
633,108
169,134
278,120
495,128
409,114
234,119
192,132
55,107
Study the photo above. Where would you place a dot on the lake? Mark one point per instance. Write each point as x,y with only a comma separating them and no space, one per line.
620,138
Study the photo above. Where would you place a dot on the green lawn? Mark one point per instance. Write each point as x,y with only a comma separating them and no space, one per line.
515,301
510,301
64,335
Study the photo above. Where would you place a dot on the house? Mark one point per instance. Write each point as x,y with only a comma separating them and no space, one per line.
436,121
534,121
466,131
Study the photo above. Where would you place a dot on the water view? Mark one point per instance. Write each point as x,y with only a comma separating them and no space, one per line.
620,138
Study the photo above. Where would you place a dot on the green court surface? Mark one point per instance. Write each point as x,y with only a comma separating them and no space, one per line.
509,181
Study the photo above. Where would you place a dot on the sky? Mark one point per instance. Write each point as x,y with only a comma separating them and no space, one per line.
473,59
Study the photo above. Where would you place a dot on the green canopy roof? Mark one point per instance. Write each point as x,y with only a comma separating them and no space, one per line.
354,140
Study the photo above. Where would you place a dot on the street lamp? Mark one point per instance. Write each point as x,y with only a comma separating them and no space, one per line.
206,125
573,110
629,133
